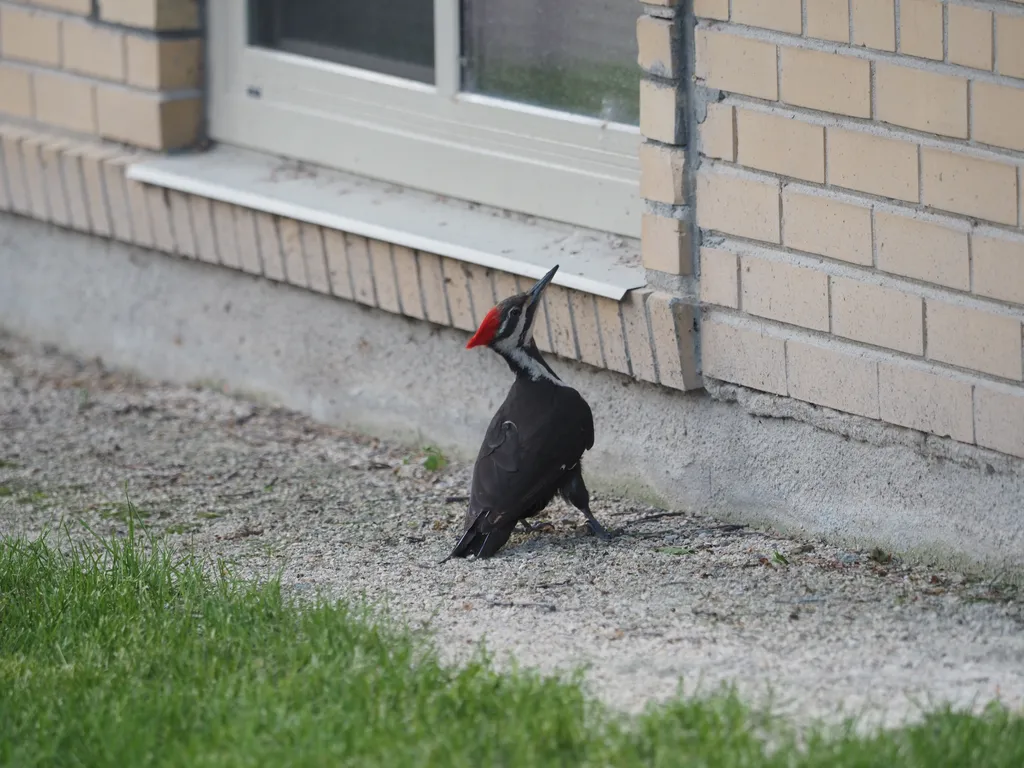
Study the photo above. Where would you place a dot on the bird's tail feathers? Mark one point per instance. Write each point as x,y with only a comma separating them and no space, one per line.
480,543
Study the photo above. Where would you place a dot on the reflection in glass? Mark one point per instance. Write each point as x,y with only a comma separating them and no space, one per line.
577,56
394,37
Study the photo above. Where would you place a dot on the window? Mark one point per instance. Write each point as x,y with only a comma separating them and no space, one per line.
526,105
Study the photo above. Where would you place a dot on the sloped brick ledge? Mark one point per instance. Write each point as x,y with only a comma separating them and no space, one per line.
649,335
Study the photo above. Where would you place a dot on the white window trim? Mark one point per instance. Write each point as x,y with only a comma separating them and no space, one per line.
593,262
572,169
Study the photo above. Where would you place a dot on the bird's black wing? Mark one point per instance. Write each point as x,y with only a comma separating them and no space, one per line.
535,437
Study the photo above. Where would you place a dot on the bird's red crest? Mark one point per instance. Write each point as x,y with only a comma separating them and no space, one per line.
485,333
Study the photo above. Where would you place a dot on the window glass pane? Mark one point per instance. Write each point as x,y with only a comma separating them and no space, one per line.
395,38
573,55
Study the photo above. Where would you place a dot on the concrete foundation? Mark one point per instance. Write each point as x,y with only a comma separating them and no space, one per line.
740,455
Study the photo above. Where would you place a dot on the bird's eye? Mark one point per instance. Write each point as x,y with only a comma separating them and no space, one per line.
514,312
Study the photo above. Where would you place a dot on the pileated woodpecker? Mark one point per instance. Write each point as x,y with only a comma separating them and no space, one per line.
532,448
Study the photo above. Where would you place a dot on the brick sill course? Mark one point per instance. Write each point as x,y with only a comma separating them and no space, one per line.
644,333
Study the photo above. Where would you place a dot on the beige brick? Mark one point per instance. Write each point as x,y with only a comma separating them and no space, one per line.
93,50
738,205
121,205
146,120
923,100
505,285
588,336
970,36
874,24
314,256
181,221
227,243
78,7
659,111
291,252
159,207
719,278
613,339
872,164
1010,45
50,154
661,173
781,15
743,356
921,28
829,20
32,160
541,327
925,401
784,292
205,236
638,337
163,64
737,64
248,241
336,254
826,81
151,14
457,288
656,43
780,145
999,420
408,281
138,207
665,244
95,191
876,315
556,299
998,115
435,304
922,250
969,185
270,246
672,334
972,338
26,35
65,102
827,227
14,166
15,91
830,378
711,9
74,184
998,268
481,291
384,277
358,250
716,133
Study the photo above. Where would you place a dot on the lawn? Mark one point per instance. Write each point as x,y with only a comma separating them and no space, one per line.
115,653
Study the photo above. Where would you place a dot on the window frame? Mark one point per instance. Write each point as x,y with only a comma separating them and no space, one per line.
539,162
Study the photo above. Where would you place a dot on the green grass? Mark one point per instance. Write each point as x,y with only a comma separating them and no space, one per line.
114,653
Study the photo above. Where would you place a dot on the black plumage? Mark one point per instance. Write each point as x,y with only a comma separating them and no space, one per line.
535,442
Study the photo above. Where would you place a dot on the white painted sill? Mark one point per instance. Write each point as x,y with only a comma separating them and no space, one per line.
593,262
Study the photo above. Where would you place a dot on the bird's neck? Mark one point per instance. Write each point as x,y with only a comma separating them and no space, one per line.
527,363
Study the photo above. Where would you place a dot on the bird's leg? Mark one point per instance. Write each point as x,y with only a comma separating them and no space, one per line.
575,492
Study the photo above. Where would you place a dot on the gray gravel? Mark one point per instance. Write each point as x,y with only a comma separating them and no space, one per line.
675,596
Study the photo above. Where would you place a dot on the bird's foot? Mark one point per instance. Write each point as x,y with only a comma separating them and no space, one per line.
597,529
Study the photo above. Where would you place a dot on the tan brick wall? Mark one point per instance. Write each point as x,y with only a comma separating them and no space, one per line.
129,71
859,198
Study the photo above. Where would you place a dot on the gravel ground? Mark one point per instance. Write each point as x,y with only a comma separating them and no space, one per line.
674,596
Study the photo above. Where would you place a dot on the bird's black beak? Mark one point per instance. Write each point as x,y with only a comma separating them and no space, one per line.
538,289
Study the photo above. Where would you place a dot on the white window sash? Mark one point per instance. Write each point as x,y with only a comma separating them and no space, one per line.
528,159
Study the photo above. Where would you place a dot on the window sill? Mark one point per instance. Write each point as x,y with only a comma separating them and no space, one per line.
592,262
